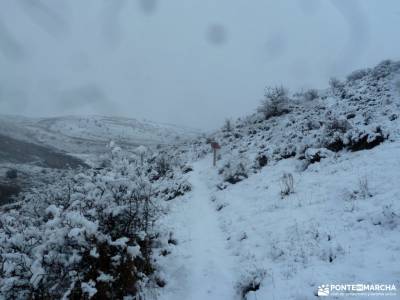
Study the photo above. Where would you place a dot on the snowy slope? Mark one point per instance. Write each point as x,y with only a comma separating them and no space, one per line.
242,235
333,229
339,118
88,134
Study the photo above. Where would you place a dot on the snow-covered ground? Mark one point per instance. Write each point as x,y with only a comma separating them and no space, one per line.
337,223
340,226
202,267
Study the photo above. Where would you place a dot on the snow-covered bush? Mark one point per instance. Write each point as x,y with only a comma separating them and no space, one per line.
141,152
313,155
173,188
362,139
96,244
337,125
357,75
275,102
311,94
336,84
163,164
235,169
382,70
89,235
186,169
287,151
334,131
228,125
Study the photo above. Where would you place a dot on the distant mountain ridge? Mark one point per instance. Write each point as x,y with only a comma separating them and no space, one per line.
88,134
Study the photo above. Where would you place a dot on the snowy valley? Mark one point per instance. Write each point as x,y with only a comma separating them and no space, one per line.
305,193
39,148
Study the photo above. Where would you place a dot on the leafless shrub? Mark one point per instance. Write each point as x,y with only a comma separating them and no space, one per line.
287,184
228,125
337,125
382,70
311,95
163,165
363,187
357,75
335,83
275,102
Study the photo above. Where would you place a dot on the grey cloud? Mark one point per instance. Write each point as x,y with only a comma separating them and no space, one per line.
217,34
358,35
90,95
10,47
276,46
148,6
190,62
44,15
12,99
111,21
309,6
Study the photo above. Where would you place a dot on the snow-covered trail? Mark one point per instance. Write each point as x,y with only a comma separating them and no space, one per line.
201,267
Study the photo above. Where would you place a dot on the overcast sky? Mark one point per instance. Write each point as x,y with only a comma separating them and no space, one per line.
188,62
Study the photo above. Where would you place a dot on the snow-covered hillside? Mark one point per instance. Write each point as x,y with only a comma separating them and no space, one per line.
355,114
305,194
88,134
306,198
340,225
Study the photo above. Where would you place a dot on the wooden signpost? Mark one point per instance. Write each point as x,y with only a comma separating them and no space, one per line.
215,146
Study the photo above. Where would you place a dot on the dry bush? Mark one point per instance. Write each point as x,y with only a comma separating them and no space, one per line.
357,75
311,95
228,125
335,84
275,102
287,184
363,187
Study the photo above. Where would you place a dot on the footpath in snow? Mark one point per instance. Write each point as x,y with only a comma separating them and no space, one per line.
200,266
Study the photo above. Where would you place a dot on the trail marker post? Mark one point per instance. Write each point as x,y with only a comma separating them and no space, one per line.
215,146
